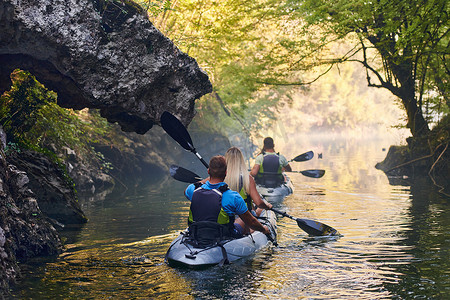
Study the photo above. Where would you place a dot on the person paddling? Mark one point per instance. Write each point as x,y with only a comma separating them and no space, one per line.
269,166
213,201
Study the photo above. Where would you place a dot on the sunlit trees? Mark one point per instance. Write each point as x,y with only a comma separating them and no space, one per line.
245,46
408,39
259,52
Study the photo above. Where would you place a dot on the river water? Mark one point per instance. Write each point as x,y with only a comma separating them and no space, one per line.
394,244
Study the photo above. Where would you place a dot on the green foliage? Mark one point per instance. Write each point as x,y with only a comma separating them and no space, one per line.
19,107
157,7
32,119
240,45
254,51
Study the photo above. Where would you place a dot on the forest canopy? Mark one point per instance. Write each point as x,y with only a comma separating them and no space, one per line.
259,53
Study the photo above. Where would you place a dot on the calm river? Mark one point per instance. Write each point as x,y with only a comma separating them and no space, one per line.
394,244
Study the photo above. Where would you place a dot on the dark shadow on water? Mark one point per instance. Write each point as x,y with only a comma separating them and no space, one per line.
427,273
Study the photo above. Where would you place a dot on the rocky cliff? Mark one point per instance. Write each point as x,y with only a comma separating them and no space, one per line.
100,54
25,231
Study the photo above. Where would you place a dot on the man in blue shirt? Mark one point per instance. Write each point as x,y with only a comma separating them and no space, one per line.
213,201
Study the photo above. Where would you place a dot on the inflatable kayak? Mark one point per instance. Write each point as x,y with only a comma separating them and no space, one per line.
182,252
276,193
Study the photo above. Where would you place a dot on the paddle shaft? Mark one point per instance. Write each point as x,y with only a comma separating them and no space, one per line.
200,158
283,214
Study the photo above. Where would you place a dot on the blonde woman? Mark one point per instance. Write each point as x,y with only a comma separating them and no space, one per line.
239,179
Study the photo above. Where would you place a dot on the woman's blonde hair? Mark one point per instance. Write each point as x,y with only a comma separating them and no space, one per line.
237,173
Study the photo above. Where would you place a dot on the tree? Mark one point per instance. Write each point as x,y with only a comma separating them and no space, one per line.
240,44
410,38
266,49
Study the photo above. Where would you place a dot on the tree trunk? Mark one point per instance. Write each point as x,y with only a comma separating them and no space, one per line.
404,73
416,122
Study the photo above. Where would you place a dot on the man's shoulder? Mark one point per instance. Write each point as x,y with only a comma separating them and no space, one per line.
232,195
259,157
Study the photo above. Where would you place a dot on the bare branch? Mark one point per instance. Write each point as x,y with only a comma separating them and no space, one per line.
294,83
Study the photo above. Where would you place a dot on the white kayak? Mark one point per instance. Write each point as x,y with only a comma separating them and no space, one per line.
183,253
276,193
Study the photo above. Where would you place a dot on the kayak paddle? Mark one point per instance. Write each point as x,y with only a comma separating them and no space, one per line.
183,175
309,226
303,157
179,133
316,173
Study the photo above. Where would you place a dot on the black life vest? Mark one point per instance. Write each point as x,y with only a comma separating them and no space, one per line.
208,222
269,174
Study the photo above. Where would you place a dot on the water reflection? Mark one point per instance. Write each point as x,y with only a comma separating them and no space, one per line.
395,242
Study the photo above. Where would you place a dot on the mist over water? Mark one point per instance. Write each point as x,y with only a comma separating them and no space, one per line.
394,243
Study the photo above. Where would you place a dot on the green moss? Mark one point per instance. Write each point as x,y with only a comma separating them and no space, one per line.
32,119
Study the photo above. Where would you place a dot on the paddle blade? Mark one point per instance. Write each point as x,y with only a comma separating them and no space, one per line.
316,228
183,175
313,173
176,130
304,157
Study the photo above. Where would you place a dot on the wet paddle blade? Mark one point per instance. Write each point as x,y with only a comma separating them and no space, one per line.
179,133
183,175
313,173
176,130
304,157
316,228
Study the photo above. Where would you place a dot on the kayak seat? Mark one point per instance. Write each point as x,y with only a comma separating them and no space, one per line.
204,234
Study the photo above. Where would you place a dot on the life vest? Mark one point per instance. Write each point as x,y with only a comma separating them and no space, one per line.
205,211
270,171
244,195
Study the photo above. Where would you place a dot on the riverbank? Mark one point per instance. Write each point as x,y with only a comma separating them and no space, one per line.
40,197
25,232
423,157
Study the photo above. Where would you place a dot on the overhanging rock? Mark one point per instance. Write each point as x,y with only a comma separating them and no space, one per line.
100,54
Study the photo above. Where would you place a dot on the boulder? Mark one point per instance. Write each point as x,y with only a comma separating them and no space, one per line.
53,188
100,54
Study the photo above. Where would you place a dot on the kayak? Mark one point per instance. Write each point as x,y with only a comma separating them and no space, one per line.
183,253
276,193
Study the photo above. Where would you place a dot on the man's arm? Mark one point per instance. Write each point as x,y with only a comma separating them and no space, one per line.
189,191
254,170
284,164
253,223
287,168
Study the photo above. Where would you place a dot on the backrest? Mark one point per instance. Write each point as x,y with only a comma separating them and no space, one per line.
206,233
